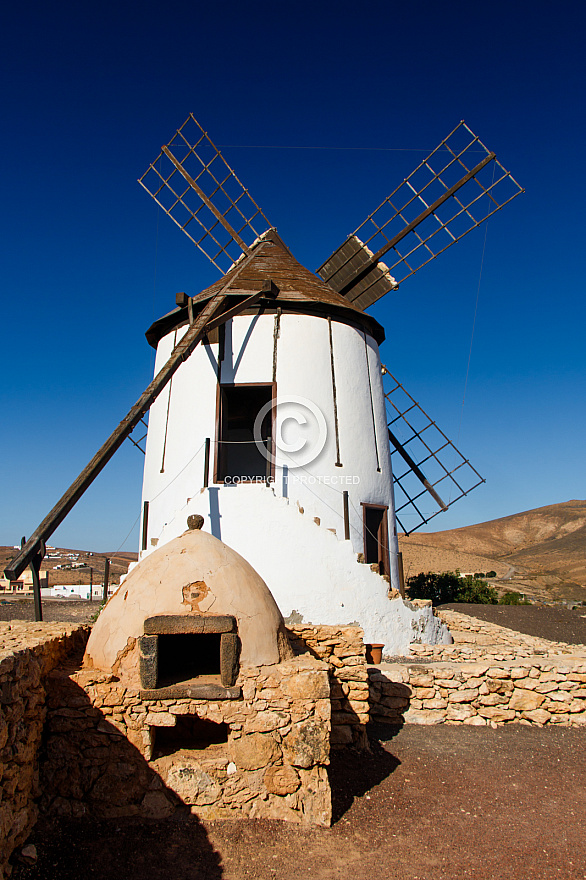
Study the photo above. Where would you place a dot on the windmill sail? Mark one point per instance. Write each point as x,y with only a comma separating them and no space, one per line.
455,189
195,186
426,464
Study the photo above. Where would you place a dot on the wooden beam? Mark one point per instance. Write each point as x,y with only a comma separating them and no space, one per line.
265,293
418,473
217,214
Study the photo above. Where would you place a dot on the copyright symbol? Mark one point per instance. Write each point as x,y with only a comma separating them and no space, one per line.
299,431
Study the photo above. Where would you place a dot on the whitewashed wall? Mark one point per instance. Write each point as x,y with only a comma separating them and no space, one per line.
307,567
303,370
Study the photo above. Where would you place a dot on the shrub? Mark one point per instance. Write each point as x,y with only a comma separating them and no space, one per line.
440,588
449,587
513,598
477,591
479,574
491,574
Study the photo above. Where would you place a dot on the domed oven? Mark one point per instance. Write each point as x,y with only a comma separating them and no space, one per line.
191,658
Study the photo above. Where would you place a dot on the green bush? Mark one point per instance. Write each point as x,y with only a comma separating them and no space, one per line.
513,598
477,591
479,574
491,574
440,588
449,587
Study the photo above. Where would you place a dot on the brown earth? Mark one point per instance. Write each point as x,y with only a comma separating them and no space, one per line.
541,552
455,802
54,610
553,622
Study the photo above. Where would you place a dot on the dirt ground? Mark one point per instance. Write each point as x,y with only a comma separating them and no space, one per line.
444,801
62,610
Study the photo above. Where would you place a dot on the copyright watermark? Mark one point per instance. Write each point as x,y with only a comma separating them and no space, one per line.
302,479
299,431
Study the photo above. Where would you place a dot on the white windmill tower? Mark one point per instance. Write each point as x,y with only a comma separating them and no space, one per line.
268,414
281,410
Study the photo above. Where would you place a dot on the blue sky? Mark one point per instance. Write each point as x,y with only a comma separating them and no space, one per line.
322,109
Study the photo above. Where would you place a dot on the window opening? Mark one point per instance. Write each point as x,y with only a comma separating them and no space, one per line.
237,454
376,549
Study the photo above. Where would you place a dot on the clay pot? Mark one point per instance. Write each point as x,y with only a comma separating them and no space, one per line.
374,653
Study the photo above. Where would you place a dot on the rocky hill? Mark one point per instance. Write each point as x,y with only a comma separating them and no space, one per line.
539,552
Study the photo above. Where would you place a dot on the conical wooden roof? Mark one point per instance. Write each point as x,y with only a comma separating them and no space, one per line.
300,291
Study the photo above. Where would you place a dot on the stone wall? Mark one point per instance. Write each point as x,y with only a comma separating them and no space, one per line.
489,676
110,753
476,639
28,653
342,648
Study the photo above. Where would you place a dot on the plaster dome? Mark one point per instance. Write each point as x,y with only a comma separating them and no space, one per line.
194,575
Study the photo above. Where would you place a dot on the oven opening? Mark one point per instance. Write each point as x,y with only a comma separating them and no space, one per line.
188,656
190,733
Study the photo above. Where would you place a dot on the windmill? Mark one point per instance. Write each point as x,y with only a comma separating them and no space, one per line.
274,423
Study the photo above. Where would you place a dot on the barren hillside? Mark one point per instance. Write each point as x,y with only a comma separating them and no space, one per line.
539,552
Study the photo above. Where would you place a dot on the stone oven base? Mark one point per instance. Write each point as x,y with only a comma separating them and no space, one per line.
102,759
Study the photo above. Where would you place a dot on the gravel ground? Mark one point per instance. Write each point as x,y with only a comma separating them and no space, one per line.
546,622
444,801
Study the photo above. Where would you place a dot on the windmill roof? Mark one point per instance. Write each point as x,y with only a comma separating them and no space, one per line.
299,291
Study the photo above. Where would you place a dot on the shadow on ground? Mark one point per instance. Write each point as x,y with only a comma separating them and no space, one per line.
122,849
352,774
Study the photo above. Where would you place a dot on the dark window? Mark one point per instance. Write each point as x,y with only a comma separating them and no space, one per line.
187,656
376,540
238,455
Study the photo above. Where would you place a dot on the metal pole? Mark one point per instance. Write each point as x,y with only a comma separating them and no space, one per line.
206,464
106,579
35,568
346,516
91,581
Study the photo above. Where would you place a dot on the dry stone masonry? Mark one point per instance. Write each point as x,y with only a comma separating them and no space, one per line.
342,648
110,749
28,652
489,676
112,753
